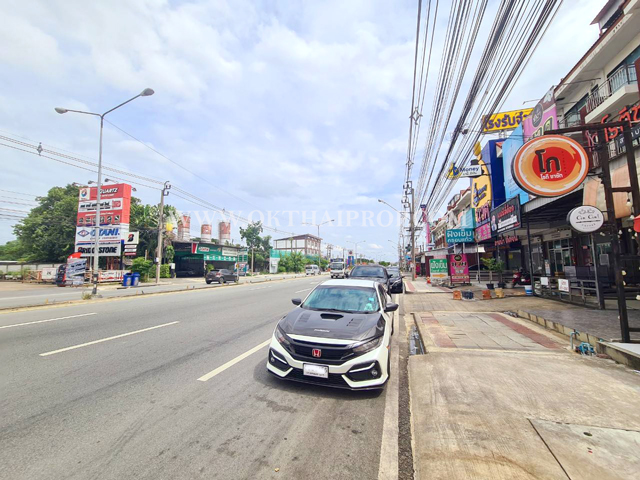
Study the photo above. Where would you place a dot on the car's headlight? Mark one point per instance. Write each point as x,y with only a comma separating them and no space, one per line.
282,338
368,345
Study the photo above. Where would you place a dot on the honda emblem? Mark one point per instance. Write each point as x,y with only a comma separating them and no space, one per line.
316,352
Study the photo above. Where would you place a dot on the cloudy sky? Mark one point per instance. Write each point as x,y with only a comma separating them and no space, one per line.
276,106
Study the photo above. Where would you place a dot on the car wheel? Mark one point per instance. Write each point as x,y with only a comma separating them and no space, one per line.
208,282
222,281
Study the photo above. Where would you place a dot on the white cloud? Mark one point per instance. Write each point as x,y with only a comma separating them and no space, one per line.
376,246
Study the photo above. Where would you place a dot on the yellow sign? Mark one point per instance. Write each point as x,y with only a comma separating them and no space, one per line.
481,188
504,120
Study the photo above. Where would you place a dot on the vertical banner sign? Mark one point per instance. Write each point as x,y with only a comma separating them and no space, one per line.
115,206
459,268
425,221
438,269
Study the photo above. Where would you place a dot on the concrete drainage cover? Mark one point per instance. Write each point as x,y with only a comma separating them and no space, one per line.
587,452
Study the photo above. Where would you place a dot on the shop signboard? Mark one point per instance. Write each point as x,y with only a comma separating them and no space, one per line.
439,269
509,149
111,275
506,216
460,235
459,268
481,188
132,238
87,235
550,166
107,250
544,281
229,252
504,120
107,217
542,119
585,219
483,232
470,171
76,266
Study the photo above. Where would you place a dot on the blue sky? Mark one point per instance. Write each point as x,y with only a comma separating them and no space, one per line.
287,105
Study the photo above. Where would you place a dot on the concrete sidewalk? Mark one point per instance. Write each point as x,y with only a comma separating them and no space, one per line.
499,397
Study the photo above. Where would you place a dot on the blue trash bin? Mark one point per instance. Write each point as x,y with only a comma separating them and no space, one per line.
126,280
136,279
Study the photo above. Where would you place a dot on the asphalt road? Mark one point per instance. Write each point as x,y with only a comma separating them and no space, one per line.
16,295
133,407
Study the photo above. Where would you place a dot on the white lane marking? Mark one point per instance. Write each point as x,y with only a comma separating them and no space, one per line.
106,339
305,290
48,320
388,467
231,363
313,283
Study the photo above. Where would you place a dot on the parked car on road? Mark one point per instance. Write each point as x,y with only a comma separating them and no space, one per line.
338,270
338,337
221,276
371,272
396,283
312,270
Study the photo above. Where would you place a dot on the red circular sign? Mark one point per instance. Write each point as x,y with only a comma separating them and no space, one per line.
550,166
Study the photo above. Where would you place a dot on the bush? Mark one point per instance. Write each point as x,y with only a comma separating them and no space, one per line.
165,271
143,267
210,267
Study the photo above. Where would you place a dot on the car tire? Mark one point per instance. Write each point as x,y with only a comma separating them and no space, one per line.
222,281
208,282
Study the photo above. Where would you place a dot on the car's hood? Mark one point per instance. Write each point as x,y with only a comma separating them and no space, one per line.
337,325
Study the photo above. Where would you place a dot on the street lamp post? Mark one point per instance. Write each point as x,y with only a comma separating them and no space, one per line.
319,240
145,93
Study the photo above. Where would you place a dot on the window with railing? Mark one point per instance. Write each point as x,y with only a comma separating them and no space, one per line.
625,75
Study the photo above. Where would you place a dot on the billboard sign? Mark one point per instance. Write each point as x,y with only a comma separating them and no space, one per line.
460,235
481,188
550,166
108,250
504,120
108,217
542,119
439,269
459,268
87,235
483,232
506,216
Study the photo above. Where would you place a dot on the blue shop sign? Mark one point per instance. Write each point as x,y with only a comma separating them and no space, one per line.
460,235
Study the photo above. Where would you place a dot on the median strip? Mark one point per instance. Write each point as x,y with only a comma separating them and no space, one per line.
48,320
231,363
66,349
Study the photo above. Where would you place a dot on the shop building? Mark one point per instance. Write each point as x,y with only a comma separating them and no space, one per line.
192,258
306,244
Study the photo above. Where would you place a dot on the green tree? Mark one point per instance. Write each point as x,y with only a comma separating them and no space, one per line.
48,232
144,219
12,250
259,247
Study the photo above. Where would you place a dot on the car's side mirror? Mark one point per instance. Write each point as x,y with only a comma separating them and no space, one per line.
296,301
391,307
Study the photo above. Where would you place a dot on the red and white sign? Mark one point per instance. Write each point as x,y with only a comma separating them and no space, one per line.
550,166
108,217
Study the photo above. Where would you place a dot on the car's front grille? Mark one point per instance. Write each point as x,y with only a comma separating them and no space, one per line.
330,354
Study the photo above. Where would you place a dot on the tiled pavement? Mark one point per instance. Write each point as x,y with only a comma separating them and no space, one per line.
479,331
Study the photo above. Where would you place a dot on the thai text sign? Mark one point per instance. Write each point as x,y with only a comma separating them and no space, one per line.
483,232
506,216
460,235
504,120
459,268
550,166
438,268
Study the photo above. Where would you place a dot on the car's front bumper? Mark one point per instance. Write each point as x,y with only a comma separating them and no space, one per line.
339,375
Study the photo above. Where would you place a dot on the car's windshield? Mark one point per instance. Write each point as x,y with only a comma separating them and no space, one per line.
393,271
342,298
377,272
336,266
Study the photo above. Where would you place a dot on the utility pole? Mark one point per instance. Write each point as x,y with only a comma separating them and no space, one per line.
163,193
252,255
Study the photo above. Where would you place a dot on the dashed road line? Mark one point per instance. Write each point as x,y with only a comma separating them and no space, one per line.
231,363
47,320
305,290
66,349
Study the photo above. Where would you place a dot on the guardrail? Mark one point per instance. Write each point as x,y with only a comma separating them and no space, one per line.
585,292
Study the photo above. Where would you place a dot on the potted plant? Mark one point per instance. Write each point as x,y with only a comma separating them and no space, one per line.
494,265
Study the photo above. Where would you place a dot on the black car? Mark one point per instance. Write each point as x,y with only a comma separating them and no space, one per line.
377,273
221,276
397,285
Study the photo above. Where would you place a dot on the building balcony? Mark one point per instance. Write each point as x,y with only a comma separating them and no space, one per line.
620,89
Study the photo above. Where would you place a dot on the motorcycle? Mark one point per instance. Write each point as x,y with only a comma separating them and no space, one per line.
520,277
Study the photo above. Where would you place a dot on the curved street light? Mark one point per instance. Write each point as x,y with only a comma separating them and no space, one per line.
145,93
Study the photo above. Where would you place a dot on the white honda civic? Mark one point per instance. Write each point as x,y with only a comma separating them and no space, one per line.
338,336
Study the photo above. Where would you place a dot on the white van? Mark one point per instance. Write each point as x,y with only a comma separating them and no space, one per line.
312,270
338,270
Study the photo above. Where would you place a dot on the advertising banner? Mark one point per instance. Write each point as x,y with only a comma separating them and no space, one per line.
76,266
542,119
108,250
459,268
439,269
86,235
481,188
108,217
504,120
483,232
506,216
460,235
111,275
509,149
